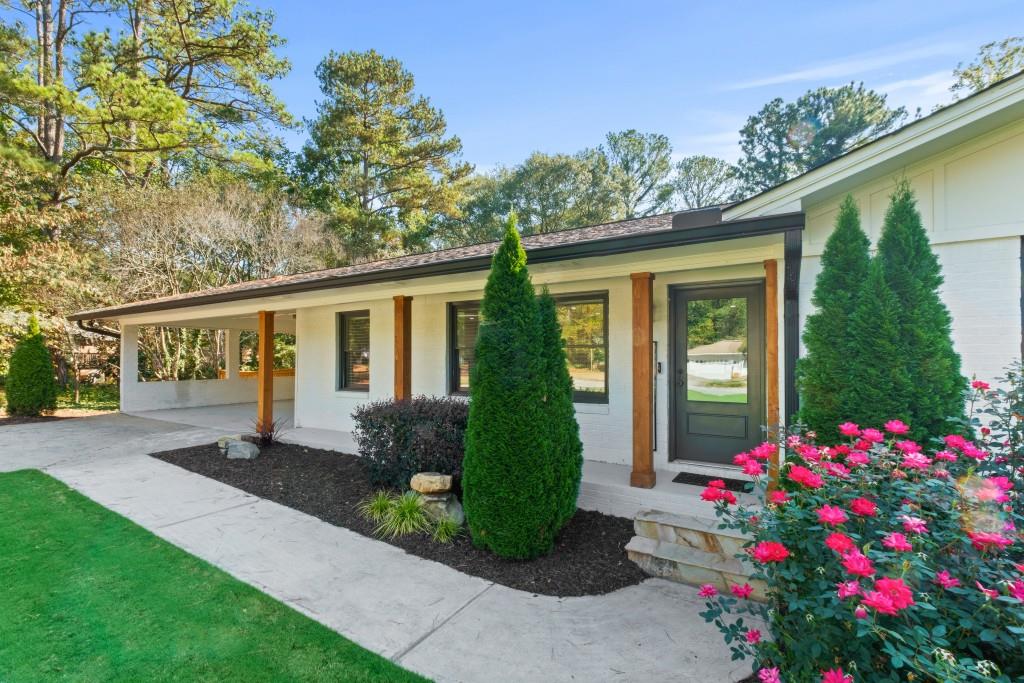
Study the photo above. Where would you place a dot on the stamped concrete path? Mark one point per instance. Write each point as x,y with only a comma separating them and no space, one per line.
426,616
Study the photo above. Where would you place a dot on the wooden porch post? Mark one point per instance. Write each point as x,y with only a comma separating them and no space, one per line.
403,348
771,357
643,475
265,374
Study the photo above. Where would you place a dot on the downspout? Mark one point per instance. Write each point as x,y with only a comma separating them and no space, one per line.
793,250
98,330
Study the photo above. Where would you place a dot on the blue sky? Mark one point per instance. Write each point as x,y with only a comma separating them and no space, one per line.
554,76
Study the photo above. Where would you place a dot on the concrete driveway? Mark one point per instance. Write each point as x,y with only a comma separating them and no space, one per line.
426,616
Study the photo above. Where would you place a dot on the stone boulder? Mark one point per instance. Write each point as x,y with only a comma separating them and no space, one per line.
241,450
222,442
437,506
431,482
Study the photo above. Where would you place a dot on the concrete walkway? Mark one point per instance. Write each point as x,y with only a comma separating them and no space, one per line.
426,616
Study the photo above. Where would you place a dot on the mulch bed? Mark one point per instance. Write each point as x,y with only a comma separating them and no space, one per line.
588,559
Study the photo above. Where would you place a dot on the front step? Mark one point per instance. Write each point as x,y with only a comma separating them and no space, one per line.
690,550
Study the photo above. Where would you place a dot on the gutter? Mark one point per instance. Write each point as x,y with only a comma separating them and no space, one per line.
713,231
87,327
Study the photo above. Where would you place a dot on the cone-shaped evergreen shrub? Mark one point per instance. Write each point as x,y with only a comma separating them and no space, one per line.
825,368
31,389
879,388
914,275
507,469
566,447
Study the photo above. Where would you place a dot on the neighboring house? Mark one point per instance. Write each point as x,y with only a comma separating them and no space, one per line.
683,329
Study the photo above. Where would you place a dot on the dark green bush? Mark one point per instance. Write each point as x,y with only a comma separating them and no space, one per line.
397,439
31,387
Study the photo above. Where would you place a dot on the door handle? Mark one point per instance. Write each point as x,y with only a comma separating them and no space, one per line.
681,377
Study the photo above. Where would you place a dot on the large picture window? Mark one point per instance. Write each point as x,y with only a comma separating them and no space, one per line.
584,321
354,351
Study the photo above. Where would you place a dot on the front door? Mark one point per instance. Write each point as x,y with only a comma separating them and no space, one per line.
717,371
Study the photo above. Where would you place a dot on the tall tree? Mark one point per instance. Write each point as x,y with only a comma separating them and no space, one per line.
379,160
826,366
702,180
639,166
994,62
913,273
785,139
115,87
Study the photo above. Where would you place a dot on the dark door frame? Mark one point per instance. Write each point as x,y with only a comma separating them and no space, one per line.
673,292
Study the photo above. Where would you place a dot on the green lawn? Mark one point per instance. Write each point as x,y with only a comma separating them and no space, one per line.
87,595
695,395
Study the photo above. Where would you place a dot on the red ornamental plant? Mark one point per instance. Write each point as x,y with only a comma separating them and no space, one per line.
882,558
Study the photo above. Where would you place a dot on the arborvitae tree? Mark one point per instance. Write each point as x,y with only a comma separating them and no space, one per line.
826,366
566,447
507,470
31,389
878,387
913,273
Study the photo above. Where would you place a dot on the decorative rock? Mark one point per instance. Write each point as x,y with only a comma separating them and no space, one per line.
222,442
437,506
431,482
242,450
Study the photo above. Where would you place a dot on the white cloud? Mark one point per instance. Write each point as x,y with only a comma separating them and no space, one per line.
924,92
854,65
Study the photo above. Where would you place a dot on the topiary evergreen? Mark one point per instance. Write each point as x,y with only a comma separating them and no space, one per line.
566,447
825,367
507,469
878,387
31,388
913,273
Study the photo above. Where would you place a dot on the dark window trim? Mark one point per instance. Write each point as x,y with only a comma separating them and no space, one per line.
591,397
340,318
450,362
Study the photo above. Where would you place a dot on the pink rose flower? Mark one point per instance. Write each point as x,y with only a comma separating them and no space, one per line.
830,514
835,676
743,591
769,675
989,592
858,458
955,441
908,447
863,507
896,427
753,636
847,589
988,540
979,385
753,468
972,451
778,497
708,591
770,551
805,477
858,564
849,429
841,543
897,590
872,435
898,542
1016,590
717,483
860,613
914,525
944,579
916,461
948,456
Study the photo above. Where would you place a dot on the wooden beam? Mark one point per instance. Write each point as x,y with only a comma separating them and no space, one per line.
771,357
265,373
643,475
403,348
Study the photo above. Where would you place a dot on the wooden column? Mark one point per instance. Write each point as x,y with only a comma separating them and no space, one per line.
403,348
265,374
771,357
643,475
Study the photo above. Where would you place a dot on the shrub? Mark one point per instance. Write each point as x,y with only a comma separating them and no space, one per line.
397,439
31,388
997,414
445,530
560,415
508,470
880,561
825,365
404,516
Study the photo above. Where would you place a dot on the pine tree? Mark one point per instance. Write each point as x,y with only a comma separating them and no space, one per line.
566,447
913,273
825,368
31,389
878,387
507,469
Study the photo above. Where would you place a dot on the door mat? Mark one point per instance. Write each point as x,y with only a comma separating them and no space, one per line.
735,485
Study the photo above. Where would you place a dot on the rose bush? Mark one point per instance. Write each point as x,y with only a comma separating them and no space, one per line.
884,560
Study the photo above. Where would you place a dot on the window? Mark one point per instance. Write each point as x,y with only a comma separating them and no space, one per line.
464,321
584,321
354,351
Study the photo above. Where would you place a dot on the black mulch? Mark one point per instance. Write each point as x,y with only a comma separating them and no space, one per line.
588,559
736,485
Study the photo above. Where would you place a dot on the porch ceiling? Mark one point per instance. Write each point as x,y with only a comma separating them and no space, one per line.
284,321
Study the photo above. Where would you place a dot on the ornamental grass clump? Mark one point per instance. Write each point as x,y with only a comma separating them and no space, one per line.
883,560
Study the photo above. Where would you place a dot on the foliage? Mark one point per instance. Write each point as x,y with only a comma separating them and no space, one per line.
785,139
560,415
446,530
30,386
397,439
995,61
267,434
91,397
912,271
81,569
405,515
702,181
375,508
879,560
997,414
507,472
823,370
639,169
378,160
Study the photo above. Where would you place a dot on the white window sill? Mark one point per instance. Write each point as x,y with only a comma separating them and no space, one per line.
591,408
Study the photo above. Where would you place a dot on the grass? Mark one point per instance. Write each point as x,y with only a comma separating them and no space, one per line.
694,395
90,596
90,397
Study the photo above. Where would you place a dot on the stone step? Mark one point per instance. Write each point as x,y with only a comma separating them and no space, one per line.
686,564
690,531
